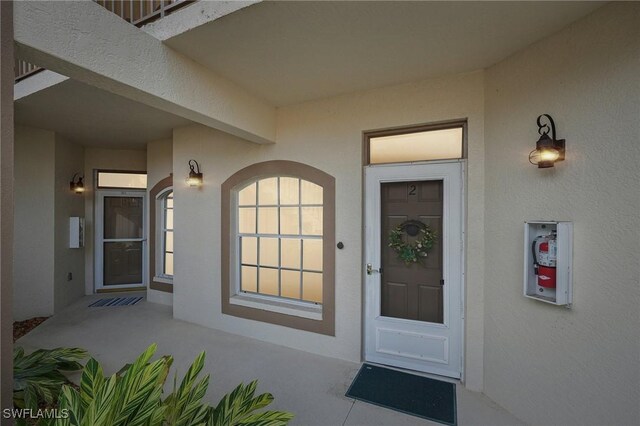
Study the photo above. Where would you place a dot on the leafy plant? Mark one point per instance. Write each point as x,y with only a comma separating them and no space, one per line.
38,377
133,397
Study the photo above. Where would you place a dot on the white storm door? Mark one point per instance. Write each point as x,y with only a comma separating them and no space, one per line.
413,312
120,246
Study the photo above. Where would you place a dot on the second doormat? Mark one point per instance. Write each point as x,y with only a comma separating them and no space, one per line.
416,395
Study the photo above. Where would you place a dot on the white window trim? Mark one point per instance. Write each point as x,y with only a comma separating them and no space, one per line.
159,275
293,307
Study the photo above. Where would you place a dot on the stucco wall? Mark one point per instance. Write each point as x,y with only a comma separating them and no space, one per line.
33,260
69,159
326,134
159,166
103,159
546,364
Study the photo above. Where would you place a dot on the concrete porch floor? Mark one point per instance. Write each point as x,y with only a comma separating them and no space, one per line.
310,386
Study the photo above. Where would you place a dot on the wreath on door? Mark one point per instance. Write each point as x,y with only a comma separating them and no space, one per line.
416,251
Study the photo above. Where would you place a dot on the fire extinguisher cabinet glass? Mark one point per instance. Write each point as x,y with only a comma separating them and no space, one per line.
548,252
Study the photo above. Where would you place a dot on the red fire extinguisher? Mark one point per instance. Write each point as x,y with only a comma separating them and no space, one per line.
545,250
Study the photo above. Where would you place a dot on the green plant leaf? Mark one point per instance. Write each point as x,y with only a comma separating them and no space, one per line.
267,418
92,380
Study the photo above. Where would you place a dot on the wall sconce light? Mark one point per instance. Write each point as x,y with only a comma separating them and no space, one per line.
195,176
548,149
77,186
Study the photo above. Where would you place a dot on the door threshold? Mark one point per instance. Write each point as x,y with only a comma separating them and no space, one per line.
120,290
417,373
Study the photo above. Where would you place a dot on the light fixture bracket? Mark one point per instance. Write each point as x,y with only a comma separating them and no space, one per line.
195,175
77,186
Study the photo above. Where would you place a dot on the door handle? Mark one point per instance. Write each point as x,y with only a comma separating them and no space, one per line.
371,271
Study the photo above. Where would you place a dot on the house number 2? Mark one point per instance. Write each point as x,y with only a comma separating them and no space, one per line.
412,190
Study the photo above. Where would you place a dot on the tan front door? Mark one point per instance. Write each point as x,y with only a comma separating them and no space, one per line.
413,311
413,291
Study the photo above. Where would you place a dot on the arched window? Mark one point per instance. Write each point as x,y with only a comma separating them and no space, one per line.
278,239
161,236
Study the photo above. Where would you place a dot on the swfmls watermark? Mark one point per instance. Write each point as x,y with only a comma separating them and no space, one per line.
41,413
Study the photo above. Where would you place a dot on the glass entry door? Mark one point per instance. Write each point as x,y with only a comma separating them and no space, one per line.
120,239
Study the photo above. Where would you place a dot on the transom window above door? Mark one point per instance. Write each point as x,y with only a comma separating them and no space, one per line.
112,179
441,141
280,238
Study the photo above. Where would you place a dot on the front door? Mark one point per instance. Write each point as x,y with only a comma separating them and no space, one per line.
120,240
413,312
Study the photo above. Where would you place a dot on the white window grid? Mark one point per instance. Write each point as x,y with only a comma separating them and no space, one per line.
300,236
165,230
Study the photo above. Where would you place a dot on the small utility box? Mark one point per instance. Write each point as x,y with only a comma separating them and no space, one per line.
76,232
548,254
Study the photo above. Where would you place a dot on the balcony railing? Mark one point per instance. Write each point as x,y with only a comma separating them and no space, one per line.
24,69
137,12
141,12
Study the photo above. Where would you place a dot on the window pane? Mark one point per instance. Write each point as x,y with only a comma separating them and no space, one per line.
247,220
122,217
312,287
289,190
311,193
311,220
169,200
289,221
168,219
268,191
269,281
122,263
429,145
122,180
312,255
249,250
269,252
247,196
290,253
290,284
168,241
249,279
267,220
168,263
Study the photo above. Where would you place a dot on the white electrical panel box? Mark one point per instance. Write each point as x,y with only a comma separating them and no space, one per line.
548,258
76,232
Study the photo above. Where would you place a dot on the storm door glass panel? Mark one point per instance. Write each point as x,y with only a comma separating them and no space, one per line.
412,290
122,243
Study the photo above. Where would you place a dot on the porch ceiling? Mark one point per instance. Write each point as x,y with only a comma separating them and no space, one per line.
289,52
94,117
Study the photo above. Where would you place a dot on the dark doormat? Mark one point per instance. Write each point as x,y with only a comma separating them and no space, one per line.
410,394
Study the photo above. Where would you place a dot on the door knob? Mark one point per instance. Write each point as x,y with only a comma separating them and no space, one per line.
371,271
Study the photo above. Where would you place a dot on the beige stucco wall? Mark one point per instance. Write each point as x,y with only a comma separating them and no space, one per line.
33,259
326,134
159,166
546,364
45,163
69,159
103,159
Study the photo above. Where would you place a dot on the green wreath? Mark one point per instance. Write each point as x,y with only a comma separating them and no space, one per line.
414,252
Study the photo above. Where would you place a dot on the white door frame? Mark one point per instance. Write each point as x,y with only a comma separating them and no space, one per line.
99,234
449,335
